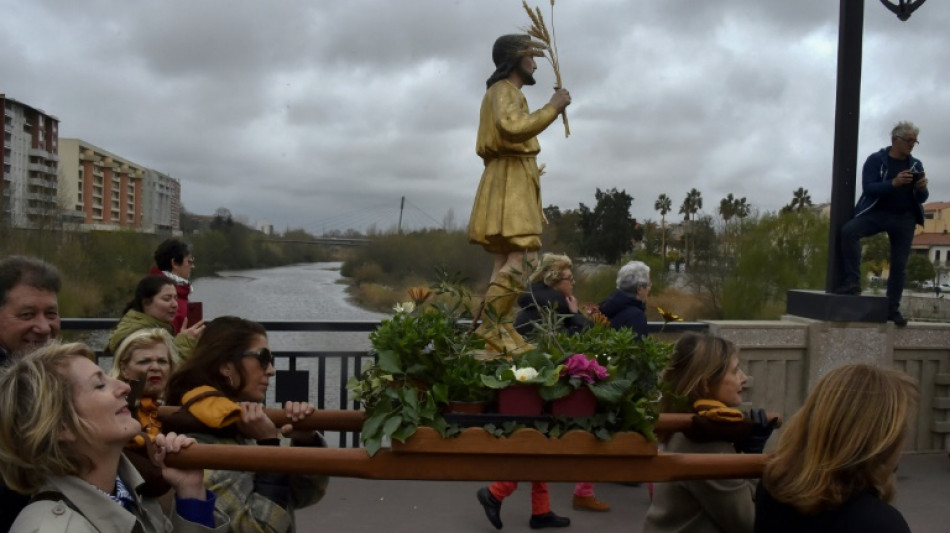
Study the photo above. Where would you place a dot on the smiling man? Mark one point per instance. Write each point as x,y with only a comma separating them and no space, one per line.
29,305
29,318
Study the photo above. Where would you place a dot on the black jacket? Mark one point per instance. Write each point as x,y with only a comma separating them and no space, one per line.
863,512
539,294
625,311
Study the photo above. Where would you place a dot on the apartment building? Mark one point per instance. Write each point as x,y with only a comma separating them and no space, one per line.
162,202
29,159
104,187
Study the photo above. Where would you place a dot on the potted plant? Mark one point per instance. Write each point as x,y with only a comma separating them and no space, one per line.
586,383
521,380
404,387
628,399
464,390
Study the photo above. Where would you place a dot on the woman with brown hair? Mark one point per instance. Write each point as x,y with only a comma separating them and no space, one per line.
705,378
834,467
221,389
154,306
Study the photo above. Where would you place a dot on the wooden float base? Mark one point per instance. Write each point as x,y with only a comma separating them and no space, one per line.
525,441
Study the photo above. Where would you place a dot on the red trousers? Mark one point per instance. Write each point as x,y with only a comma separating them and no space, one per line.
540,500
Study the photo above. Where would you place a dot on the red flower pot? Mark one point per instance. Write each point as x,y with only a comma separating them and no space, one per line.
580,402
523,400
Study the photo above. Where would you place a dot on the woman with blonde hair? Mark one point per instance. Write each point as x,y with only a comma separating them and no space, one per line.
834,466
704,377
551,287
144,360
63,426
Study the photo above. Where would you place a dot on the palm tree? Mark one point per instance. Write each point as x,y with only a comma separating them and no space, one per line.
800,200
691,205
742,208
663,204
727,207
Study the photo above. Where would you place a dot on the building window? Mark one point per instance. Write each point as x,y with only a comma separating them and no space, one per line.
937,256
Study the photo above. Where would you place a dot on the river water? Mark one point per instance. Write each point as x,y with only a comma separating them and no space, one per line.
313,291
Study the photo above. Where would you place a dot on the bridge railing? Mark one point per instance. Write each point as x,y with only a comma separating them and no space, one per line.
326,389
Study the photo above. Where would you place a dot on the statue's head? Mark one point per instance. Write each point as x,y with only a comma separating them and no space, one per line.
508,53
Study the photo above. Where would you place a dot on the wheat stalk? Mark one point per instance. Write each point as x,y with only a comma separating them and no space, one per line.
548,44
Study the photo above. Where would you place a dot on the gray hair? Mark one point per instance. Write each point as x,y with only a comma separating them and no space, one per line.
633,275
905,128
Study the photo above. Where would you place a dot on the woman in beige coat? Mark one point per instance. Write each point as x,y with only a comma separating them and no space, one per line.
63,426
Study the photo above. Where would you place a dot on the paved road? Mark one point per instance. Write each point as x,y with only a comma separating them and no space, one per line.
433,506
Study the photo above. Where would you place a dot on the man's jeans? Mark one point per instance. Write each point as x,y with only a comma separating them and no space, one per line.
900,231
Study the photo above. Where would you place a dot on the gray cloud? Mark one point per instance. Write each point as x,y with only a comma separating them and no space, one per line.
323,114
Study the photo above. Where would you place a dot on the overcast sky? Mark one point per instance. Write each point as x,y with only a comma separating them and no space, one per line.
321,115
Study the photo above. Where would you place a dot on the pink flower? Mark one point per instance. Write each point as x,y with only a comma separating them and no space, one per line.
586,369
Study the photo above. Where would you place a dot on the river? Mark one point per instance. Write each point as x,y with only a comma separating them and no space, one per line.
313,291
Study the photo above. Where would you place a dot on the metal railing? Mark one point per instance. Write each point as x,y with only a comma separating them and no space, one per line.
293,384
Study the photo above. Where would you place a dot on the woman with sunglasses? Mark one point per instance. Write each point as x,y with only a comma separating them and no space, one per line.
221,389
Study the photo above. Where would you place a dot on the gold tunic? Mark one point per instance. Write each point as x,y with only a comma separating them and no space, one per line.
506,216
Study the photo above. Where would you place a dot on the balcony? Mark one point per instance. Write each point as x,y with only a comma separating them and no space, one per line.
45,183
41,168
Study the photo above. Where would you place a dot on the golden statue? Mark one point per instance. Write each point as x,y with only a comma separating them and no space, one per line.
506,216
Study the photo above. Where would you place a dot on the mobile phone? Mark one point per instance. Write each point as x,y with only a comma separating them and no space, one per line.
917,175
195,312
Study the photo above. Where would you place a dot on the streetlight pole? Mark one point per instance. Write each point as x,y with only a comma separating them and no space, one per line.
844,166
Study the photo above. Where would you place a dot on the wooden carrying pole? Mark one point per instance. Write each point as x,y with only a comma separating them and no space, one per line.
387,464
352,420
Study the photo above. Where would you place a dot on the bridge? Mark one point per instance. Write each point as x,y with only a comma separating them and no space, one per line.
322,241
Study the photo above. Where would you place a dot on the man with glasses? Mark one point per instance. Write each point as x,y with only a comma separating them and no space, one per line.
894,188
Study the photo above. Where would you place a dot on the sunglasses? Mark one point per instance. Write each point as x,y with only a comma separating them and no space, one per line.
264,356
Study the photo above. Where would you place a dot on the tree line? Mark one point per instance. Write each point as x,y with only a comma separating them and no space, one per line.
739,261
101,268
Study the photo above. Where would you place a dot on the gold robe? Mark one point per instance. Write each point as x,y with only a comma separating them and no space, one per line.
506,216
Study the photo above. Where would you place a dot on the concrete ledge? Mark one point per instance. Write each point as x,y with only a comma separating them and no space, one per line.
820,305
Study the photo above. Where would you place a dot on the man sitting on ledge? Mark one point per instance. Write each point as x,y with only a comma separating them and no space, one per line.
894,188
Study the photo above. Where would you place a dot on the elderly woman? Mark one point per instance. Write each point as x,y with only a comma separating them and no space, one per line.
145,359
154,306
704,372
551,287
63,426
834,466
221,389
626,306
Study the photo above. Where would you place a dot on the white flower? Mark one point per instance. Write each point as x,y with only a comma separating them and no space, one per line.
524,374
429,348
404,307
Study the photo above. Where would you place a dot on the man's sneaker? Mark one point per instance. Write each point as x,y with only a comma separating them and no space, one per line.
897,318
492,506
548,519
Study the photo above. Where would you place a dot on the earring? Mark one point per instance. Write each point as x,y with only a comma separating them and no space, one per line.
230,381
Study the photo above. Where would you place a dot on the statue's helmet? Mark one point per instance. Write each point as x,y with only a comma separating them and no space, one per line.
508,51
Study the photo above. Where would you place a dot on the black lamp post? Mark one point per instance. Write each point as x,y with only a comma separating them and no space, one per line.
847,118
828,306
